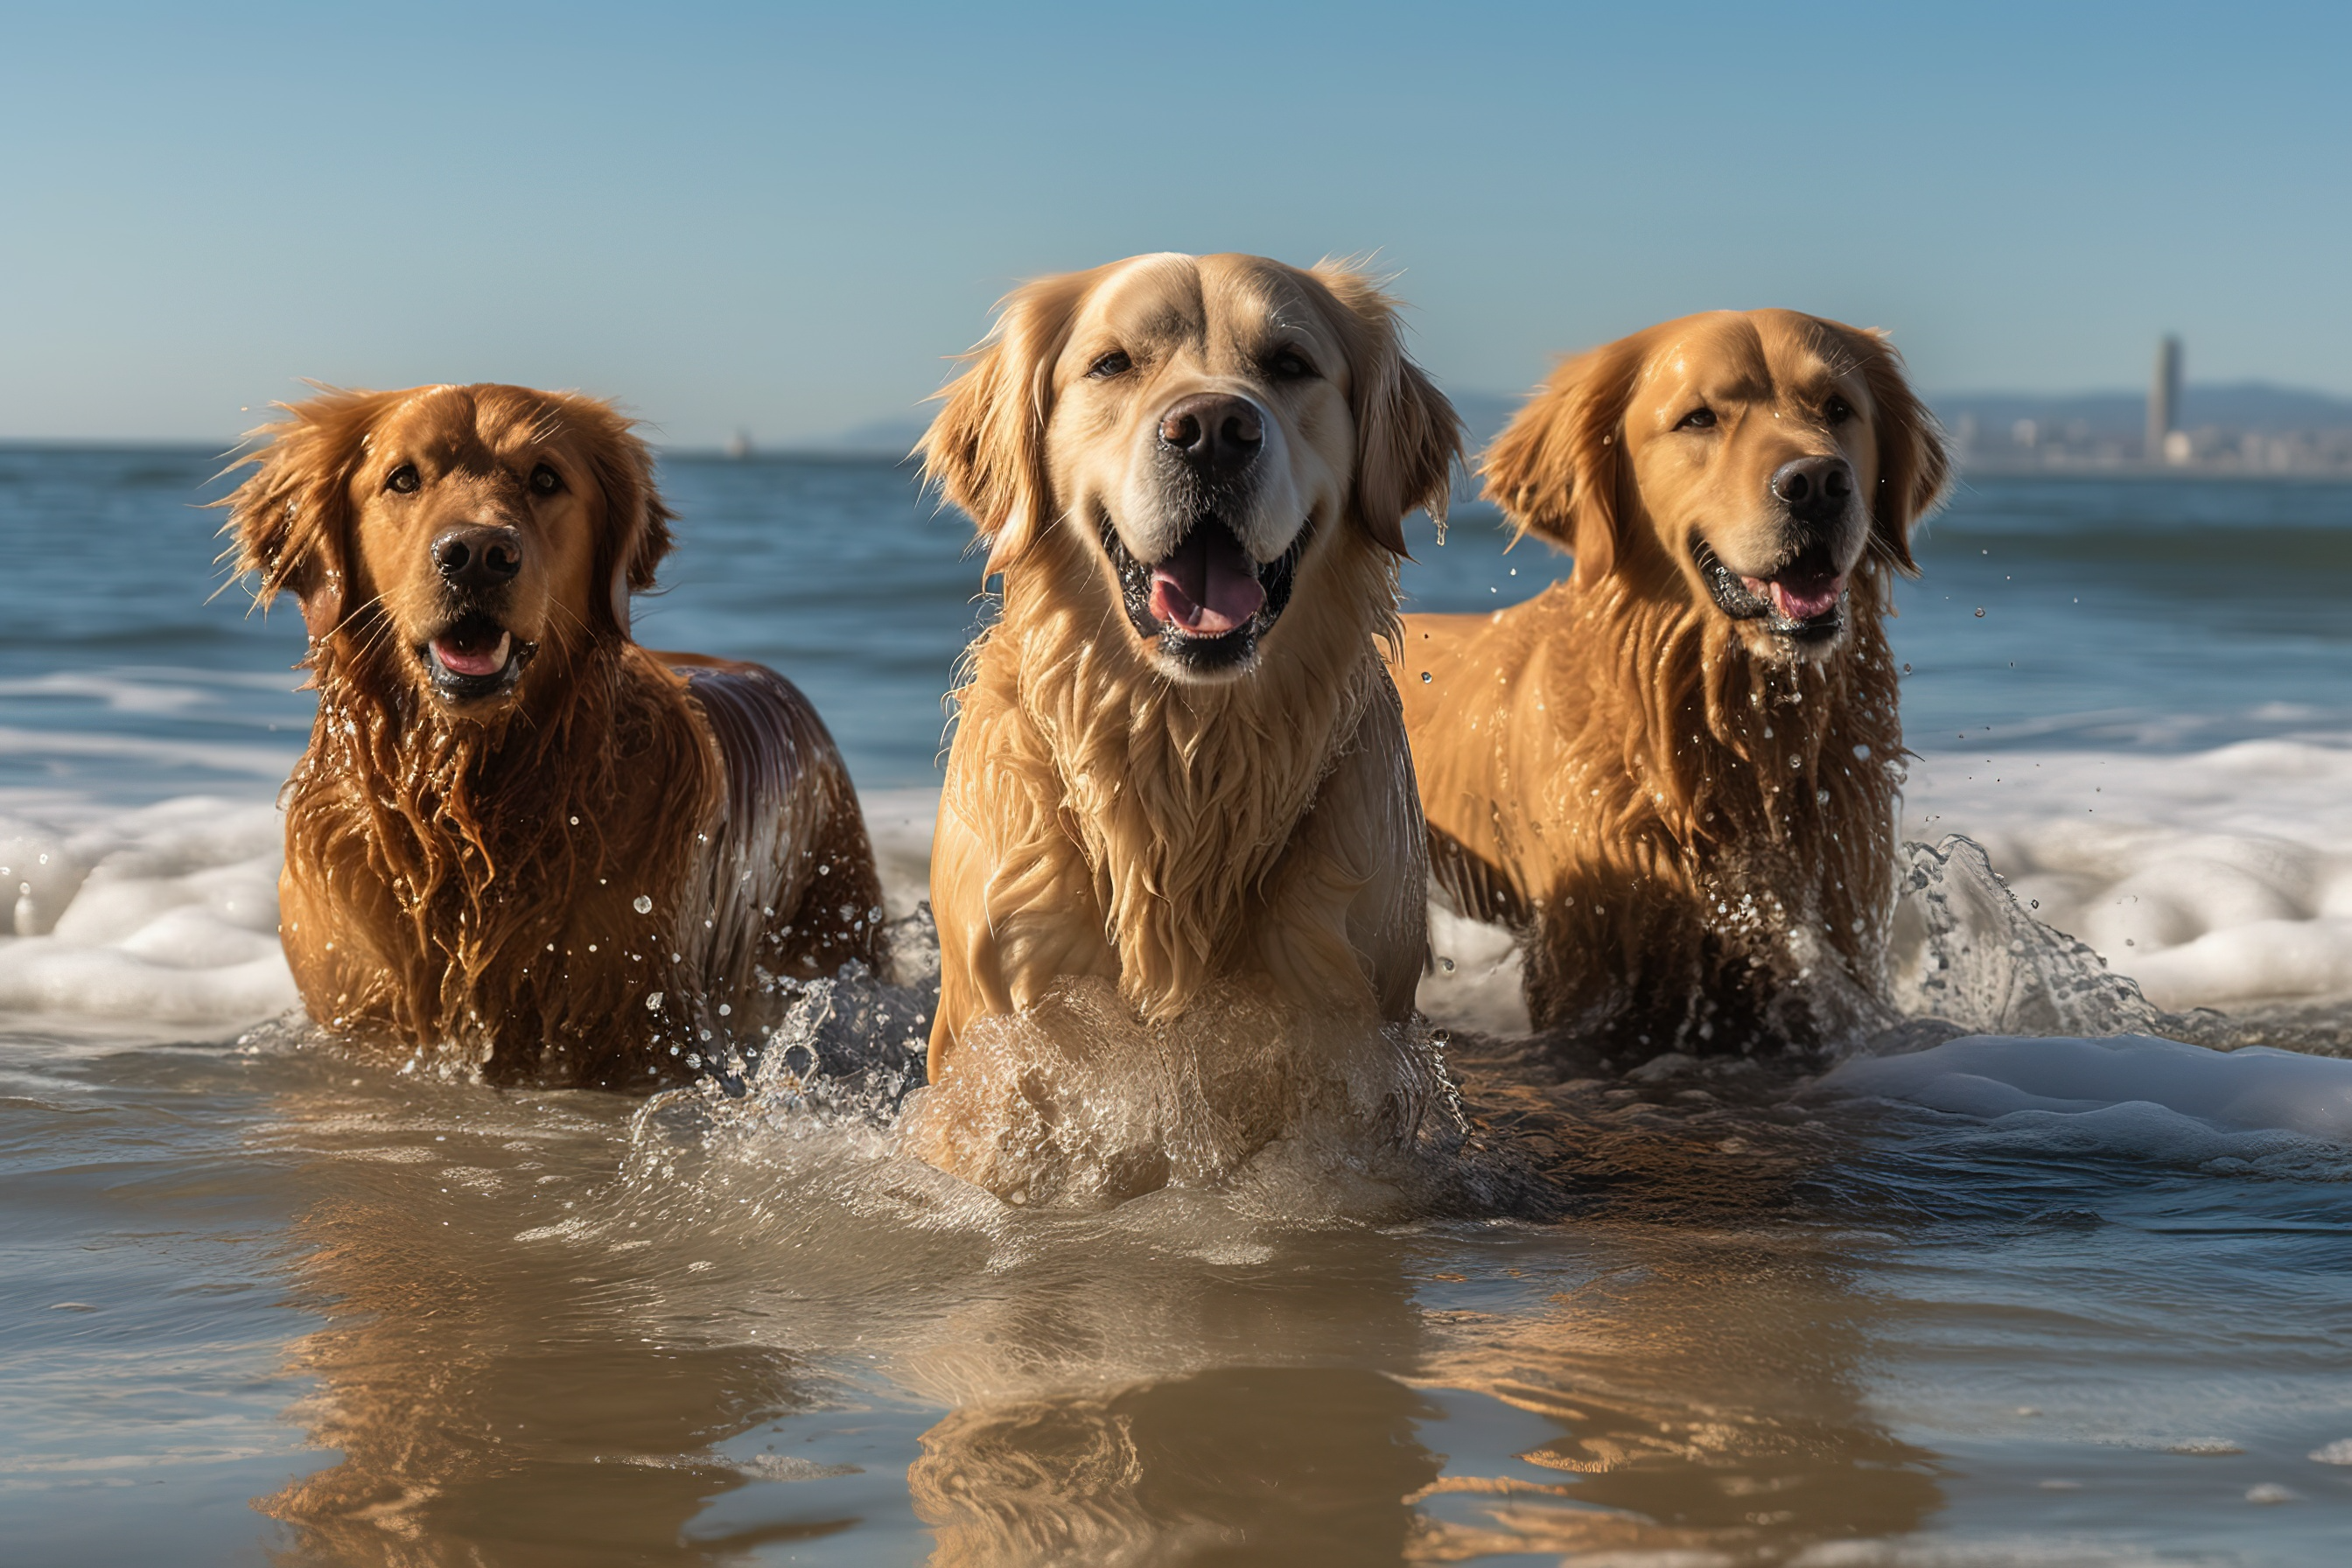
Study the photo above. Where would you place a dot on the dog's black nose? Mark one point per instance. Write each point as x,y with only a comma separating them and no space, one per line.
478,557
1215,432
1814,487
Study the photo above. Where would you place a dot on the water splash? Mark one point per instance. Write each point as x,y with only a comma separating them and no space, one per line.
1965,958
1962,952
1076,1101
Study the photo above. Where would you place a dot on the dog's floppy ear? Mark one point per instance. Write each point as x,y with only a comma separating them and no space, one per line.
1408,436
1914,468
636,534
1555,469
289,518
986,447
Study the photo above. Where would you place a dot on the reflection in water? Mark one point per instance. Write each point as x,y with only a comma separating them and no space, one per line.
1291,1464
1706,1391
769,1332
494,1399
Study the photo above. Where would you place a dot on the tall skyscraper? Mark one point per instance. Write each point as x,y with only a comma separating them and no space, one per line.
2164,398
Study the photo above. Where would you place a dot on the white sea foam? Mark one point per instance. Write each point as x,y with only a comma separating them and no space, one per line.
2215,879
168,913
1473,977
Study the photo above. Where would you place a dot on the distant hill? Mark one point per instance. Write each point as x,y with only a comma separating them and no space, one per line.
892,437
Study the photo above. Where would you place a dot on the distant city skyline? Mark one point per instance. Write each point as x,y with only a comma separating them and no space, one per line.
786,220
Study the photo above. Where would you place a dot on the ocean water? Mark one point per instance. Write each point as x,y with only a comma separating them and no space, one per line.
2062,1290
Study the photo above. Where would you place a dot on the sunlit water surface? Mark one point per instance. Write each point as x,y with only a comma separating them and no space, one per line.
2055,1302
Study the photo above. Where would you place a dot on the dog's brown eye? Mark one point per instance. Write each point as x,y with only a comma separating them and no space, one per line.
402,480
545,480
1289,364
1696,419
1115,363
1838,410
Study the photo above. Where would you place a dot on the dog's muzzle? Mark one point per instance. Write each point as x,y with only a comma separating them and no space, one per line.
1206,603
474,657
1802,601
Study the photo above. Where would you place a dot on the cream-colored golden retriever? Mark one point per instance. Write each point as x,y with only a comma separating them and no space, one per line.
1677,772
517,835
1179,761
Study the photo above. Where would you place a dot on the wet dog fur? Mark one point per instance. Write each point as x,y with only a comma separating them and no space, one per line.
499,776
1677,772
1177,759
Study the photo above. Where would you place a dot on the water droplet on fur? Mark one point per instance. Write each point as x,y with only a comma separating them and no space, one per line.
575,821
725,1008
643,903
652,1002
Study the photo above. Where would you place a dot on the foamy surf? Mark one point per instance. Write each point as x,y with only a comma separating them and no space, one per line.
2220,878
2215,879
166,913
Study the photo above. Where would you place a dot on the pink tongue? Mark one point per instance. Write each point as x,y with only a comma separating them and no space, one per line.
469,659
1800,598
1208,585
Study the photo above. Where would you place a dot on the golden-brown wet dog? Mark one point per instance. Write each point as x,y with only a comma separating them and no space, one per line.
1676,772
1178,760
516,833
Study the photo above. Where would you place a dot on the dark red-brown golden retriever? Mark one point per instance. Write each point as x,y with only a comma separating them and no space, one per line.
1677,772
517,837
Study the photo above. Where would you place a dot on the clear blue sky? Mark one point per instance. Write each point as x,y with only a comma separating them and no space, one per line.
784,218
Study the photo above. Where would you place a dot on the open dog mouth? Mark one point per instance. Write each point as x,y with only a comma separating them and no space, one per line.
473,657
1206,602
1803,600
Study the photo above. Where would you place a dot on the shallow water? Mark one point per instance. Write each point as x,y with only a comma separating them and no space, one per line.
2046,1302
